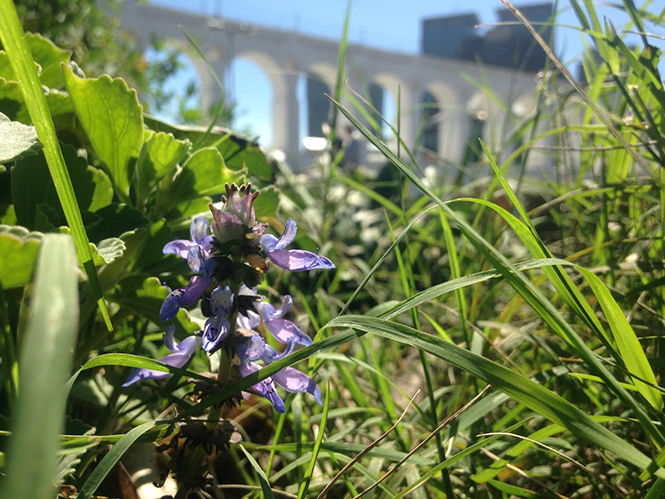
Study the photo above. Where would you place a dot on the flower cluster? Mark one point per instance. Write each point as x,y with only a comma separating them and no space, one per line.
229,258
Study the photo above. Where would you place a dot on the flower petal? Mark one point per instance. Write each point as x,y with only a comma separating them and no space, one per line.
226,226
265,388
199,230
289,234
295,381
221,300
299,260
252,349
168,339
251,321
214,332
179,247
185,350
184,297
271,355
287,332
268,312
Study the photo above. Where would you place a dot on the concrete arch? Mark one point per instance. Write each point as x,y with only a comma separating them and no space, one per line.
283,77
318,81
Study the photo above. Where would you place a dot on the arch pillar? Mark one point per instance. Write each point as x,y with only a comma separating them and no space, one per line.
454,129
285,114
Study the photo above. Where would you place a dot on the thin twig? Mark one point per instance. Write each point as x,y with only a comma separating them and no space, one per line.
367,449
421,444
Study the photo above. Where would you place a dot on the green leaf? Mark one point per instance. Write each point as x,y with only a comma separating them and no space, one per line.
112,118
238,152
11,101
18,254
14,42
204,174
159,155
108,250
304,486
266,203
16,140
32,185
49,57
117,219
629,346
44,368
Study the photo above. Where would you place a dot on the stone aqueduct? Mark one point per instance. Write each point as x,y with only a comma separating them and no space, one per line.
285,56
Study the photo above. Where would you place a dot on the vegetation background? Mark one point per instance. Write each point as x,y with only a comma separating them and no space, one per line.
501,338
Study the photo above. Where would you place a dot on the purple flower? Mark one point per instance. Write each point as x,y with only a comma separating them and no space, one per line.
254,348
201,239
294,260
217,327
265,388
197,252
182,352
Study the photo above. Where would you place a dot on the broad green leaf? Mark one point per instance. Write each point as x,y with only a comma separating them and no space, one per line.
44,365
49,57
111,116
18,254
108,250
117,219
32,185
182,213
539,399
203,174
159,155
6,70
238,152
11,101
16,140
629,346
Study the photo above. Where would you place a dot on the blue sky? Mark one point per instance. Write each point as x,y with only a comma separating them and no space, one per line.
386,24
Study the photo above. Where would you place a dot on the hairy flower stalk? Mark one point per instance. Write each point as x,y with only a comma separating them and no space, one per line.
229,257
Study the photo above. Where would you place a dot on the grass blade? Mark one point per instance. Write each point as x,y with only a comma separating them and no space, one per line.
44,366
304,487
111,459
520,388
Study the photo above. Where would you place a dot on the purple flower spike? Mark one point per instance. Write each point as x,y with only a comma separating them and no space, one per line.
294,260
184,297
182,352
265,388
217,327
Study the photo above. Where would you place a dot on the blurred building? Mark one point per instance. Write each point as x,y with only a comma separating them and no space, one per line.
508,45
